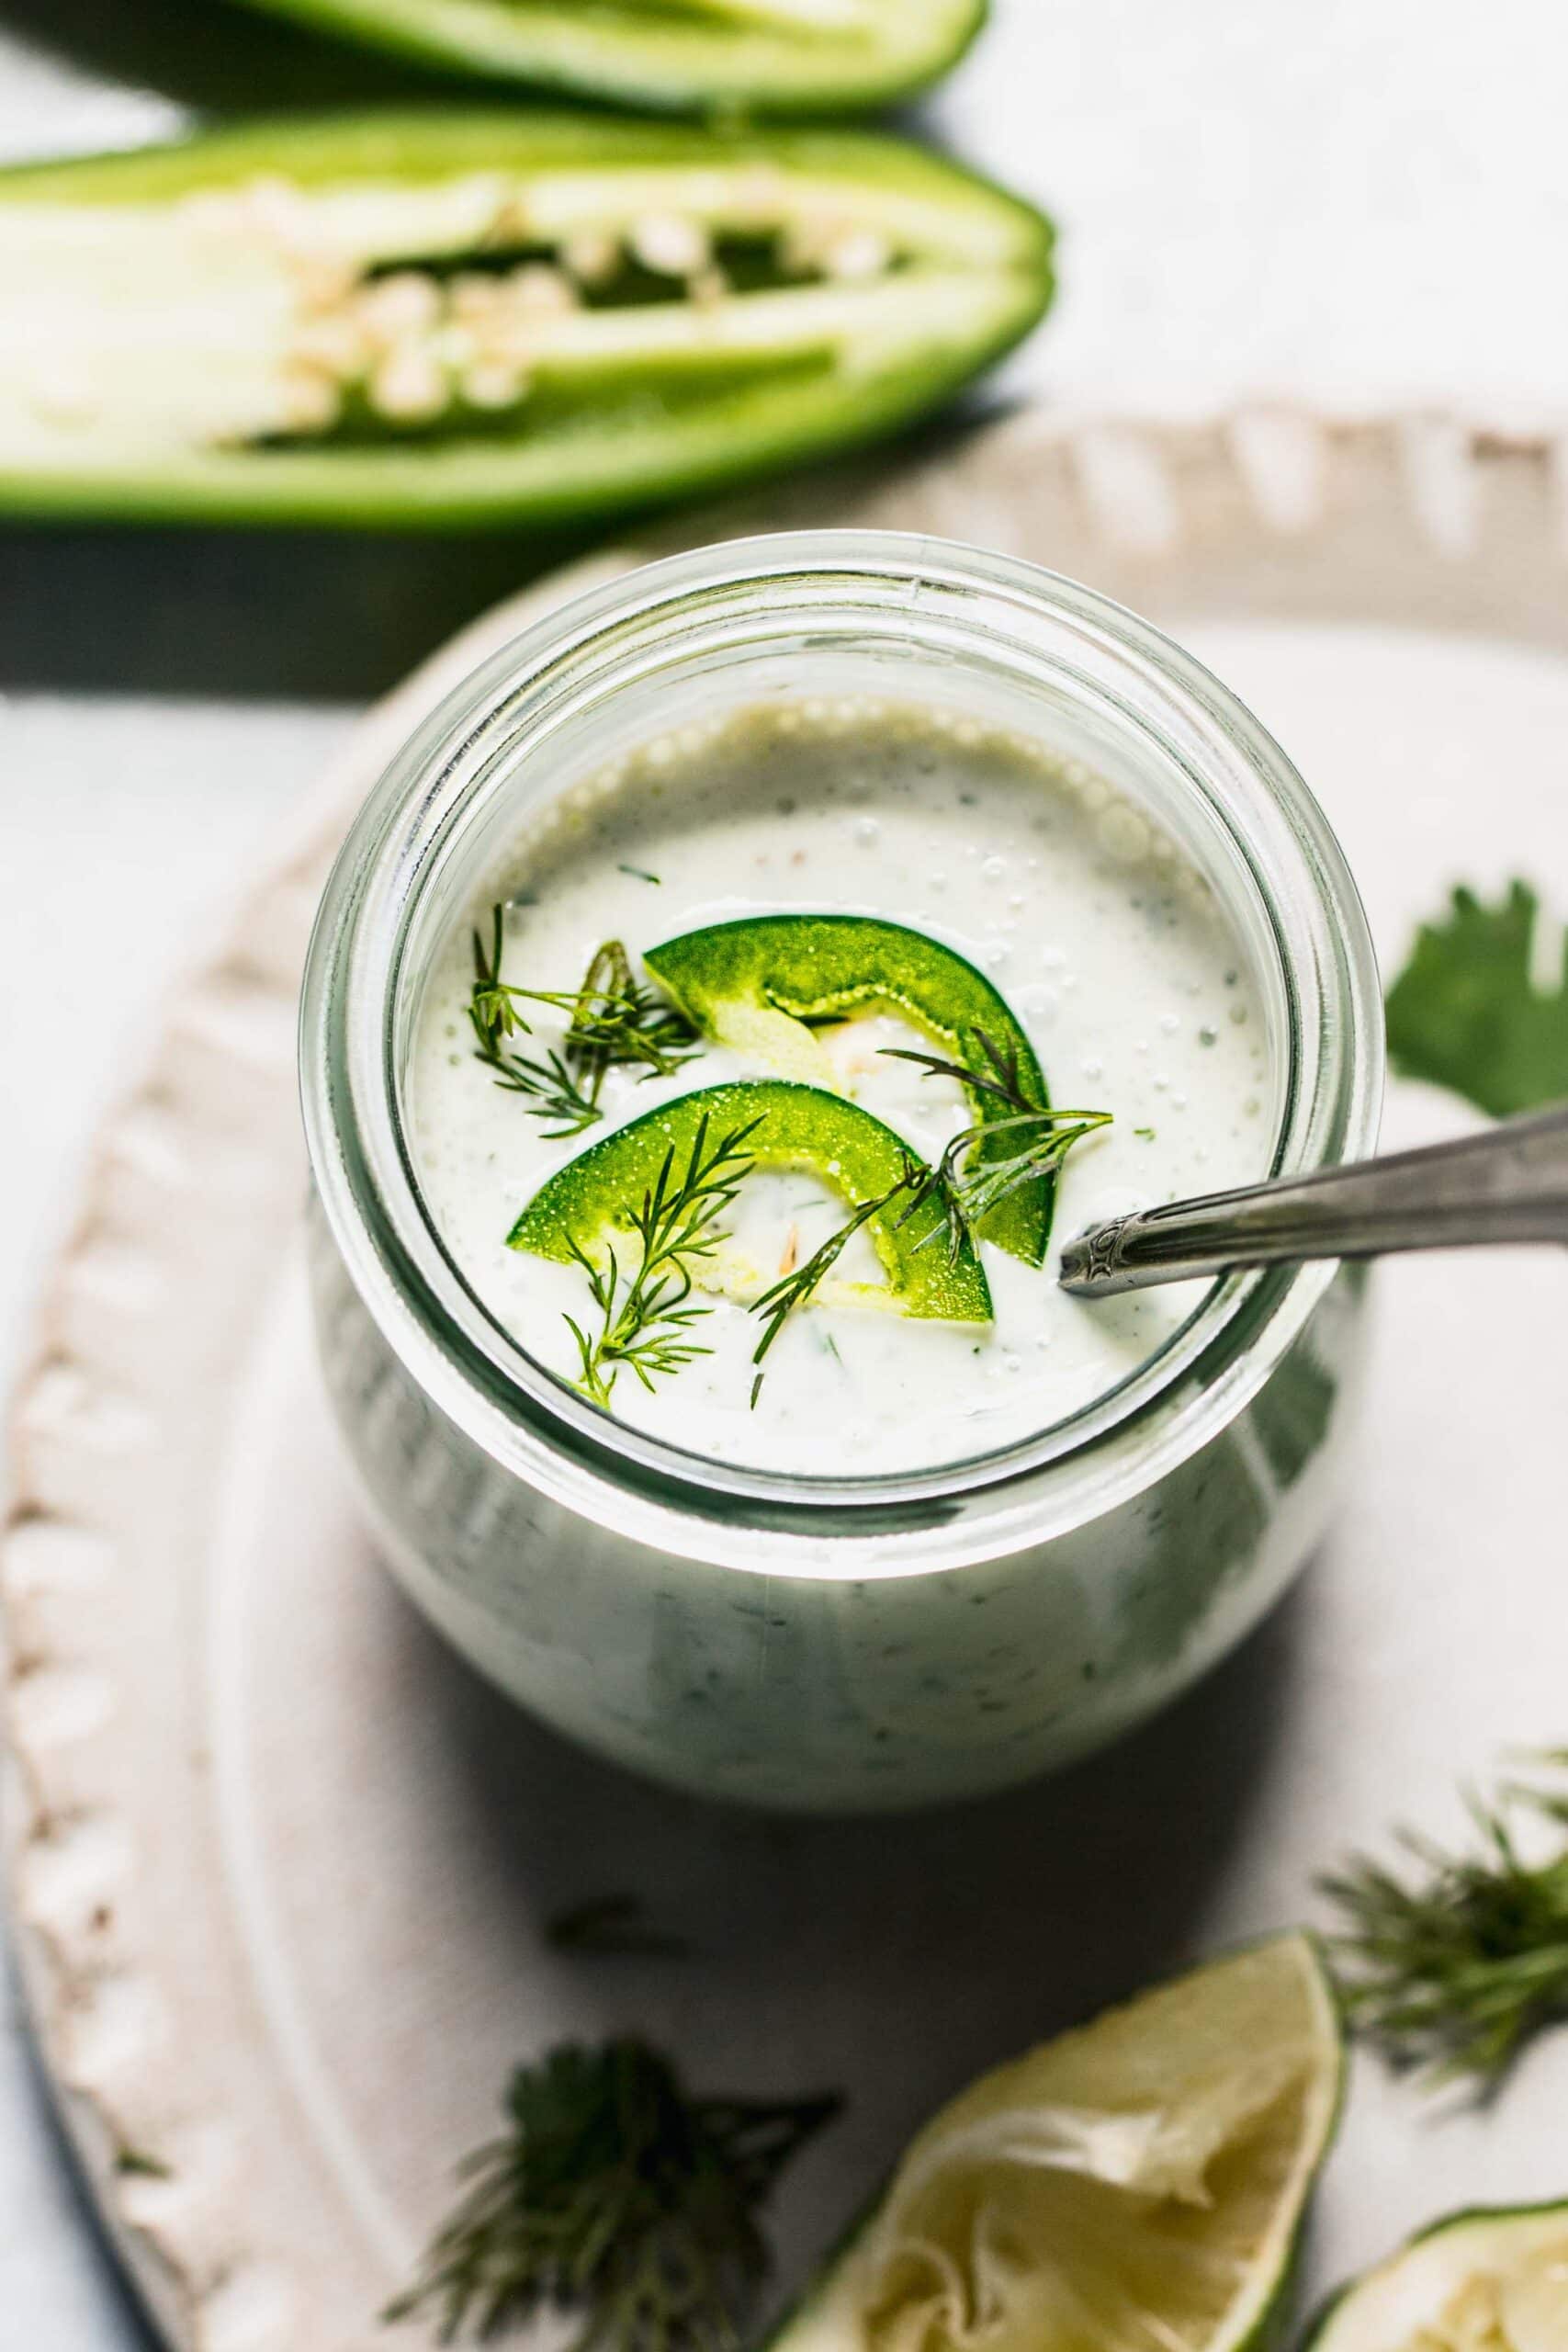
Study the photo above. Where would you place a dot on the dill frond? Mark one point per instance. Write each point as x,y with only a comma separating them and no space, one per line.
1454,1965
645,1316
617,2196
614,1021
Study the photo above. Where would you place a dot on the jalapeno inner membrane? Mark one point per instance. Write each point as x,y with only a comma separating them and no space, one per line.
346,308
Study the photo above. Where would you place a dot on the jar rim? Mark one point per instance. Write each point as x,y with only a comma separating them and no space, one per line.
519,1412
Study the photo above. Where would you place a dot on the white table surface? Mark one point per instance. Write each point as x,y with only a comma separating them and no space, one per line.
1363,204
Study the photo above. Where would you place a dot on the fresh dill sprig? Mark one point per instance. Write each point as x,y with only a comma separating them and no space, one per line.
1000,1074
625,1025
645,1317
1045,1137
967,1188
617,2196
1456,1966
964,1195
778,1303
614,1021
552,1091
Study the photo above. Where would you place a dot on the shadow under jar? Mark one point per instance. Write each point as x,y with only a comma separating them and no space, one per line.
834,1637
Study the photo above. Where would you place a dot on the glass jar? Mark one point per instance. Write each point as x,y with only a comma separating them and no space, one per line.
834,1643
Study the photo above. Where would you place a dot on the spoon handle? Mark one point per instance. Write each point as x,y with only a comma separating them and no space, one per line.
1506,1183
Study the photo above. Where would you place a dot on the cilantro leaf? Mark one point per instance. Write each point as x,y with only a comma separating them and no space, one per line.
1466,1013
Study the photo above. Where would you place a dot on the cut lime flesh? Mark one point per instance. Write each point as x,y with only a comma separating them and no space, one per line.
1477,2283
1137,2186
591,1200
753,984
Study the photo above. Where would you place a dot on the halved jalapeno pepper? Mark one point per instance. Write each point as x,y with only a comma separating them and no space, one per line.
452,320
769,56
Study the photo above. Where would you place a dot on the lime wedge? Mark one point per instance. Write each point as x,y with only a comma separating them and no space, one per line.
591,1199
1477,2283
754,984
1137,2186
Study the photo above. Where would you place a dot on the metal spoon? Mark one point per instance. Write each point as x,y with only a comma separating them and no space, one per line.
1507,1184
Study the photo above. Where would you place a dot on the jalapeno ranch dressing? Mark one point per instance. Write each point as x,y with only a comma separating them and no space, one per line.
1108,948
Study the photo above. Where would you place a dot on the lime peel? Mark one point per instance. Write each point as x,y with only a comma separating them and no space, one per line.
1140,2182
1474,2282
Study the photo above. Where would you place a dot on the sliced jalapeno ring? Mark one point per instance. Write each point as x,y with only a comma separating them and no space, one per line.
448,320
583,1206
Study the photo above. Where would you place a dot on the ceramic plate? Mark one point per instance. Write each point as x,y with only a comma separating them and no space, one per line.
282,1870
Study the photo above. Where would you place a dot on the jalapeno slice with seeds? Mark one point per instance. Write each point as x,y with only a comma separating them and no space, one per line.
449,321
767,56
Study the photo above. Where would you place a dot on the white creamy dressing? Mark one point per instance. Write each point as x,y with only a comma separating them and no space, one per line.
1109,947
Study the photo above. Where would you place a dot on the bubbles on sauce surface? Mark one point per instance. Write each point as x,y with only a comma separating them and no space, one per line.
1111,949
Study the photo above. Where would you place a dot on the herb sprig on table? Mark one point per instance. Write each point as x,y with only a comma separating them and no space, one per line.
1466,1011
645,1316
616,2195
614,1023
1454,1965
